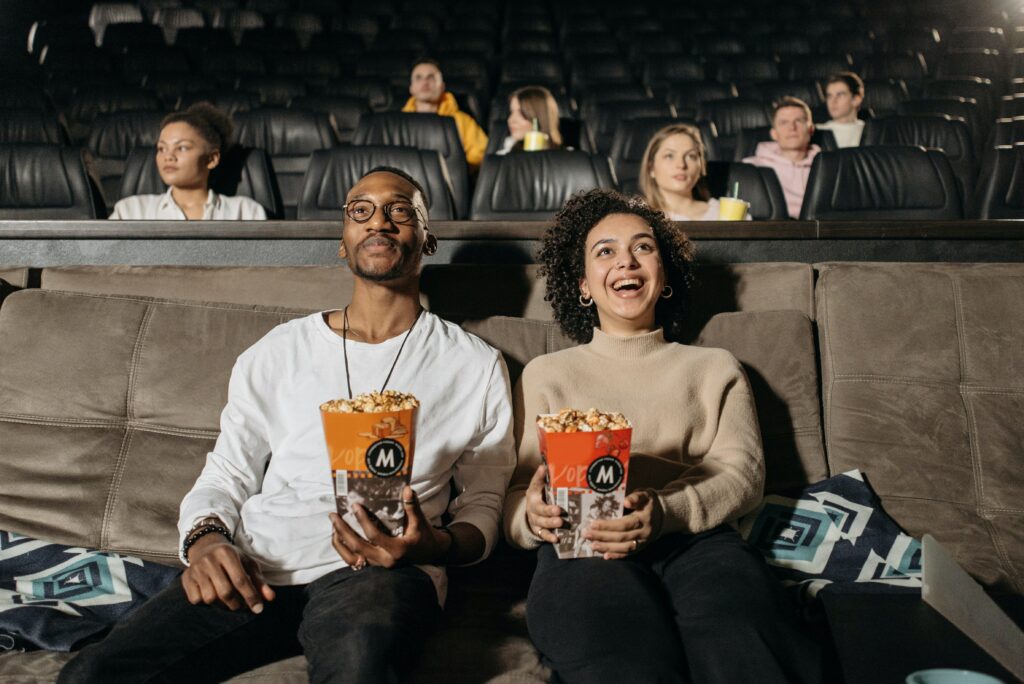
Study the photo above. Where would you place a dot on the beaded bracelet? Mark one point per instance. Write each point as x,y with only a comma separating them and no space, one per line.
201,532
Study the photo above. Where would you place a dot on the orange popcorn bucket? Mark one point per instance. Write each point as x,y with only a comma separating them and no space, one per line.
371,458
587,474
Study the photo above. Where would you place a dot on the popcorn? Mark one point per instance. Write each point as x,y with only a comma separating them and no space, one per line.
574,420
372,402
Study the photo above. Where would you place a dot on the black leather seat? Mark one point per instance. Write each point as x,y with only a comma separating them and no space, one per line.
881,183
227,65
721,45
269,40
816,67
242,171
687,97
304,25
785,44
467,68
112,138
390,67
103,14
333,172
229,101
978,89
173,19
976,37
309,67
45,182
961,108
971,62
289,136
757,185
661,72
530,42
933,131
1009,131
273,91
376,93
600,70
344,111
749,138
141,62
630,141
742,69
854,42
532,186
31,126
1011,105
730,117
467,42
399,41
911,69
771,91
1002,195
580,46
426,132
914,39
606,116
882,98
89,102
532,68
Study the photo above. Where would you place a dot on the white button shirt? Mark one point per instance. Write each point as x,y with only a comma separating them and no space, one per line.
164,208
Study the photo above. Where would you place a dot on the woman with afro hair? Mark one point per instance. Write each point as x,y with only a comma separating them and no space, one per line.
673,594
190,148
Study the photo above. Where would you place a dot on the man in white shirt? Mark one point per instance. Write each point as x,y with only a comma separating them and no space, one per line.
273,571
844,95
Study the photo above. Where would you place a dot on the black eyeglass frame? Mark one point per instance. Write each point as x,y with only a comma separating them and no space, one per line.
386,208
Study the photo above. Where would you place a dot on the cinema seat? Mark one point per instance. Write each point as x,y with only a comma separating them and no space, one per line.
45,182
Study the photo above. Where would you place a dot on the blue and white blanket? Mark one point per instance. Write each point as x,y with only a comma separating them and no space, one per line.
56,597
835,532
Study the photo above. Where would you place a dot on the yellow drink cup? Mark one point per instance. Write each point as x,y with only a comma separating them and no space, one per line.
732,209
535,141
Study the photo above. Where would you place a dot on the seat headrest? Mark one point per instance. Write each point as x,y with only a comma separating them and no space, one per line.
284,132
927,130
425,131
333,172
44,182
113,135
881,183
524,186
1002,196
733,115
30,126
758,186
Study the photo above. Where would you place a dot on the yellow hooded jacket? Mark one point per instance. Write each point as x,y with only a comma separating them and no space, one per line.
474,140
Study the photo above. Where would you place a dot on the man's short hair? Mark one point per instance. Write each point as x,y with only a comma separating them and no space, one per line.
401,174
790,101
852,81
426,60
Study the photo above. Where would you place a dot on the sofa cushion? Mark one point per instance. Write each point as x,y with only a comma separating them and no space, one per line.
306,287
109,411
12,279
776,349
923,384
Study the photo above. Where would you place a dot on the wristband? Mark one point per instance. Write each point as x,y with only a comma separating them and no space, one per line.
197,534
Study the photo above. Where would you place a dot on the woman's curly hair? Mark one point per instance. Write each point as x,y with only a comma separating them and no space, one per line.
563,250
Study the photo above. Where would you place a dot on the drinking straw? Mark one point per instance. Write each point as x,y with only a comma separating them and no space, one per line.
735,190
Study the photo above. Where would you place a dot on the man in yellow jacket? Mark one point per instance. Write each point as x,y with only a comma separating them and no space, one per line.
426,87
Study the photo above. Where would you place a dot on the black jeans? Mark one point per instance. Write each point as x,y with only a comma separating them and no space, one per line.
689,608
364,626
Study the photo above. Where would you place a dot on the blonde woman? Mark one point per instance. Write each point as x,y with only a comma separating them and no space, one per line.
673,175
525,105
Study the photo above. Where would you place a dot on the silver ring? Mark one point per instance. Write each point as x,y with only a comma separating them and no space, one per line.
636,545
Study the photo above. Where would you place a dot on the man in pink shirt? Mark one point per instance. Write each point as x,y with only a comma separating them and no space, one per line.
791,153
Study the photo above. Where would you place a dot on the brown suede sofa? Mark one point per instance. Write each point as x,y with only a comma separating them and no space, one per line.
112,380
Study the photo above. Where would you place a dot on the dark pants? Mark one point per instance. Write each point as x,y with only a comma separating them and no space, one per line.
363,626
689,608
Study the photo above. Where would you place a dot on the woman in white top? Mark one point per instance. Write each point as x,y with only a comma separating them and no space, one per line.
674,172
525,105
188,150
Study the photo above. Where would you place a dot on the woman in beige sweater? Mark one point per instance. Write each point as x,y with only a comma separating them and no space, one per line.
675,595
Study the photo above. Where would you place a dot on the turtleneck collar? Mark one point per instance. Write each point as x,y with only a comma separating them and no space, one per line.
634,347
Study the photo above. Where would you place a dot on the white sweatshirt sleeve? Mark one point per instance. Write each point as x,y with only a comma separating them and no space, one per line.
483,470
234,469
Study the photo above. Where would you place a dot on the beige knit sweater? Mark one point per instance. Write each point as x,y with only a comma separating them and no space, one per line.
695,434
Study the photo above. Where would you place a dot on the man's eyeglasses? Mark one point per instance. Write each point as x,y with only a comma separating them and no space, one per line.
398,212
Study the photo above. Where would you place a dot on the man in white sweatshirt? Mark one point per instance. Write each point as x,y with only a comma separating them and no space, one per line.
844,95
272,570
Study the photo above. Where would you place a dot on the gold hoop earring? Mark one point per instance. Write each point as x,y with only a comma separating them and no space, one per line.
585,304
666,292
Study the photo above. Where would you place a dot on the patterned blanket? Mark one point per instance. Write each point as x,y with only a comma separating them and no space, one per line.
835,532
58,597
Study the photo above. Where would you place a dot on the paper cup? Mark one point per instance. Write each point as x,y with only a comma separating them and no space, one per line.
587,474
732,209
535,141
370,457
